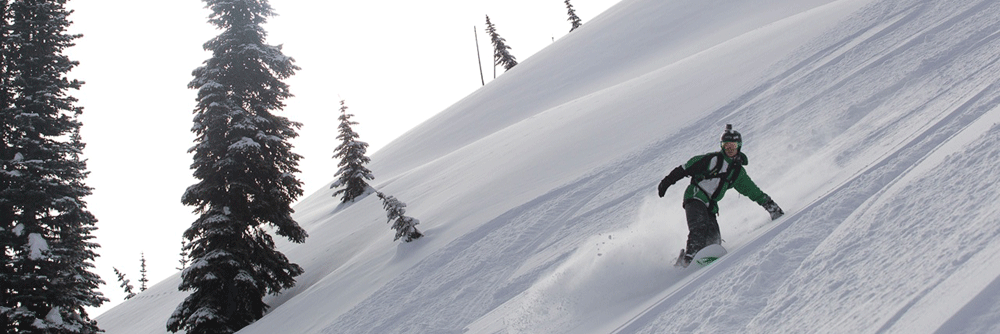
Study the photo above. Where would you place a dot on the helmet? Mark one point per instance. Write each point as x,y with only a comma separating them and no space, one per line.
732,136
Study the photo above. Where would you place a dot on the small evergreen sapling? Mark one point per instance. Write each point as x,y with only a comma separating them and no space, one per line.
142,279
396,212
573,19
125,284
501,52
353,176
184,255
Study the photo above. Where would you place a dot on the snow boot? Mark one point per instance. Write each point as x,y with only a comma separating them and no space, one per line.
684,259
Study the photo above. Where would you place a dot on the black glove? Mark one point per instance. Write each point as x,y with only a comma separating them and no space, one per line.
773,209
674,176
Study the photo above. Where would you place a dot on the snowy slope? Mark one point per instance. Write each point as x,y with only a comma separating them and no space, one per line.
872,122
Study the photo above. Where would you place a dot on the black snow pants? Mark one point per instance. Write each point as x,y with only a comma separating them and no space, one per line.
703,228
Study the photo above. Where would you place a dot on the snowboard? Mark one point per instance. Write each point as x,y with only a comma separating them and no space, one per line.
704,257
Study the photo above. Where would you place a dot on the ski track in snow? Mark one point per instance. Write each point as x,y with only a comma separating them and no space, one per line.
872,122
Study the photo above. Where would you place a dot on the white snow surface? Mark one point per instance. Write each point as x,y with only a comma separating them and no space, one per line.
873,123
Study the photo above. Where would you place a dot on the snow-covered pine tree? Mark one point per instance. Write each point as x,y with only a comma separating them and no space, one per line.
124,283
6,211
396,212
45,228
142,272
501,52
352,174
245,168
573,19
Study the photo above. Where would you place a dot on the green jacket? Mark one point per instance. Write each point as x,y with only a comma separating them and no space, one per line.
707,176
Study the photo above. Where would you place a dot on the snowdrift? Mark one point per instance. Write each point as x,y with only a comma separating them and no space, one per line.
873,123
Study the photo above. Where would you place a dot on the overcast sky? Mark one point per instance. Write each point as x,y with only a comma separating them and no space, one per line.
396,63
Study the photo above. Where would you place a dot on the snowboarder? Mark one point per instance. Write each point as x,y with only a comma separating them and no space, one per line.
711,175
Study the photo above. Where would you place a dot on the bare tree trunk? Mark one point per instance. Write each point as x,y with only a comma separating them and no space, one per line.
478,57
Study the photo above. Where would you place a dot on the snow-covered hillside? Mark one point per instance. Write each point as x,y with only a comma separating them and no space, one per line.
873,123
